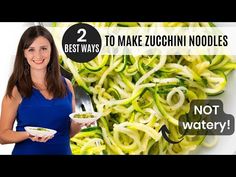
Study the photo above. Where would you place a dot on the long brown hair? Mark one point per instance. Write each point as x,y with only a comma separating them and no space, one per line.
21,77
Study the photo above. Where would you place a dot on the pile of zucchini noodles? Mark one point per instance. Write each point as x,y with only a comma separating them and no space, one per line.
137,95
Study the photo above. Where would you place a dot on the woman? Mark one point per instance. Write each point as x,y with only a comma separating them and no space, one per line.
37,95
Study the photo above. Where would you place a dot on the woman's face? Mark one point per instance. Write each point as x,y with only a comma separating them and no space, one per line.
38,53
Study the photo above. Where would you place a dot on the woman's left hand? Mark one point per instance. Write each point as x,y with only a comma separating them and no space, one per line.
86,124
76,127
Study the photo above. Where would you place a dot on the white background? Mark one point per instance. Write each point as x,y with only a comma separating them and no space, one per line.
10,34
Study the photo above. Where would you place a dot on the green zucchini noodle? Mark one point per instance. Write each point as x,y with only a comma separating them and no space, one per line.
139,94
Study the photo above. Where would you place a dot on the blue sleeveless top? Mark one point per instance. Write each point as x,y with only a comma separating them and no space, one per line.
41,112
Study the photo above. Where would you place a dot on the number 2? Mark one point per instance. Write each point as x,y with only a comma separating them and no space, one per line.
81,38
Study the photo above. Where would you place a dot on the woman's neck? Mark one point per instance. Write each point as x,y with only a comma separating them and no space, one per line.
38,79
38,76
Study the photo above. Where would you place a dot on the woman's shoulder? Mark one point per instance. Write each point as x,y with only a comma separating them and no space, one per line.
69,84
15,95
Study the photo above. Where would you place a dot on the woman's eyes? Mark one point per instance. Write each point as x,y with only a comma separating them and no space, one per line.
31,50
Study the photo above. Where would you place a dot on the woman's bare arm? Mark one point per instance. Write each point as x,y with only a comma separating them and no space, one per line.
7,119
74,127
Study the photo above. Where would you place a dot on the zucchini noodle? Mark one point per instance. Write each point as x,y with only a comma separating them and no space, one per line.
139,94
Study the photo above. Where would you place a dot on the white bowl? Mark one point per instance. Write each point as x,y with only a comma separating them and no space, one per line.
96,116
40,131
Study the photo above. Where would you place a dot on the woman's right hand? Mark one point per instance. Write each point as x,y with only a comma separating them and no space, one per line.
40,139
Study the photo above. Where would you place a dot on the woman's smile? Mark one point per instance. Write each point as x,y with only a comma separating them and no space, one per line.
38,61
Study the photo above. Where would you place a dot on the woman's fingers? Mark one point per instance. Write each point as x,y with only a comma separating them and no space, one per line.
87,124
41,139
48,138
33,138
